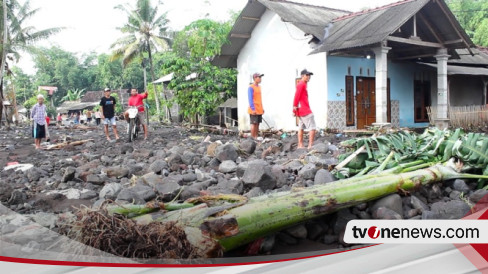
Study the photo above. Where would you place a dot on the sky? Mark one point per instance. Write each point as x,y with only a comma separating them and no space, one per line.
91,25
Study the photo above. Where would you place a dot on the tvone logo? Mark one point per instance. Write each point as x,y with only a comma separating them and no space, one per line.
373,232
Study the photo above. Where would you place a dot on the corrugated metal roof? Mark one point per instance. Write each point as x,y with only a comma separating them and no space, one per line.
308,18
460,70
230,103
479,58
369,27
435,24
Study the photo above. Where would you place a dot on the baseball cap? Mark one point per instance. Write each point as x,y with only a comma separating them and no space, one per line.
306,72
107,89
257,74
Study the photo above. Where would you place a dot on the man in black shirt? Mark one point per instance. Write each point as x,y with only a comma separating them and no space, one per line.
108,113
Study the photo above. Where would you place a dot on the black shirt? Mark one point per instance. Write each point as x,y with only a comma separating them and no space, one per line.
108,106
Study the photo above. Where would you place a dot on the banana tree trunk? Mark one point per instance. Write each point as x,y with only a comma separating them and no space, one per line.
238,224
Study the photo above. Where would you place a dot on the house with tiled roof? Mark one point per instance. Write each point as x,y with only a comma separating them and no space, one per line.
383,66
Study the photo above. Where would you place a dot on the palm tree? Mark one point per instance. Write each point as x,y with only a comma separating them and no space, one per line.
17,37
145,31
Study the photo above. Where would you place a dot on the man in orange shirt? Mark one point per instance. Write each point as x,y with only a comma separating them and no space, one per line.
255,109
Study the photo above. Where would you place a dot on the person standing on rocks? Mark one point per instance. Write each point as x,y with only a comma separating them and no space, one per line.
108,113
301,109
255,109
135,100
38,116
98,117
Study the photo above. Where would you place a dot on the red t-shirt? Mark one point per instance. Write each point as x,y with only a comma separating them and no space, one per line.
137,101
48,120
301,97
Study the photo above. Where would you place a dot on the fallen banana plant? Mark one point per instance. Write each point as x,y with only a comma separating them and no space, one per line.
213,225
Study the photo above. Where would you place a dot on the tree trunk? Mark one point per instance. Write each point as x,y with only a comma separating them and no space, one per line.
154,86
2,63
234,224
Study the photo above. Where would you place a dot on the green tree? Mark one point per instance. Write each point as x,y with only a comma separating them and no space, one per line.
73,95
200,86
144,33
16,36
473,17
21,83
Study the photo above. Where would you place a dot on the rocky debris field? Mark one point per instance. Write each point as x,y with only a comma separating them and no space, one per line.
180,163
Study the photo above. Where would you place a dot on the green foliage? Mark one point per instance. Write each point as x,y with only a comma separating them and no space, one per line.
73,95
432,146
118,107
199,86
33,100
473,17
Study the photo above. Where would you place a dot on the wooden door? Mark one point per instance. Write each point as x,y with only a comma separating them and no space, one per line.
365,101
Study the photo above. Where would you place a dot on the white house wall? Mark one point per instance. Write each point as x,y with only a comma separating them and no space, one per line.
280,51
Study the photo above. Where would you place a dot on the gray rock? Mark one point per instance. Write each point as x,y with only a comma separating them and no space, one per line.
200,175
168,190
173,179
343,217
88,195
478,196
416,203
254,192
235,186
323,177
226,152
287,239
45,219
152,179
144,191
429,215
130,196
214,164
294,165
393,202
333,148
248,146
268,244
157,166
330,239
298,231
126,148
241,169
95,179
189,177
314,231
363,215
117,171
227,166
259,174
174,159
460,185
193,190
451,210
110,191
8,228
455,195
321,148
308,172
413,212
188,158
279,175
384,213
106,160
69,174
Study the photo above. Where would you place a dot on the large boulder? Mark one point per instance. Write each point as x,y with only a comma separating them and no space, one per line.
226,152
227,166
248,146
259,174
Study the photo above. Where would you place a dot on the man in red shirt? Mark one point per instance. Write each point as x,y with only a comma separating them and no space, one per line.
301,109
136,100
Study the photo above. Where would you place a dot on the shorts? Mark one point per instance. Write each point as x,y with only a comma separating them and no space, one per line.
38,131
256,119
142,117
307,122
110,121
